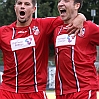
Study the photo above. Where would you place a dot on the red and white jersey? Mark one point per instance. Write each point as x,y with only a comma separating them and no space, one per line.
75,69
25,54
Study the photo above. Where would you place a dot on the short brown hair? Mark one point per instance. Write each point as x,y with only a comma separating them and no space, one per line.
33,2
79,1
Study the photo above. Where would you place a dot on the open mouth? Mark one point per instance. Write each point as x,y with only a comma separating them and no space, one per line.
22,13
62,11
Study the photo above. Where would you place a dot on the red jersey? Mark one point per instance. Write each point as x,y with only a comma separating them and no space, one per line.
25,69
75,69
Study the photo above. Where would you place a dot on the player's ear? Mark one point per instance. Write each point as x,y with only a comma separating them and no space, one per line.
14,8
33,10
77,6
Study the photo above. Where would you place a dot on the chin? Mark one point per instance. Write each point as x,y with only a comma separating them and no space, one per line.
62,18
22,21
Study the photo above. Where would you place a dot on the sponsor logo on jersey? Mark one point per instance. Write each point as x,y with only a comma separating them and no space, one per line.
82,33
21,43
69,39
36,30
28,41
22,31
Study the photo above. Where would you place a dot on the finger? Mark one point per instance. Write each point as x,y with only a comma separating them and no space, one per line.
72,31
77,31
69,25
81,32
73,36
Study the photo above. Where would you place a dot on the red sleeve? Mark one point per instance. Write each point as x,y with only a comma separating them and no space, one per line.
1,31
94,33
50,23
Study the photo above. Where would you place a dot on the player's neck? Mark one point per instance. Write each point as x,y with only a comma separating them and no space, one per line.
70,20
20,24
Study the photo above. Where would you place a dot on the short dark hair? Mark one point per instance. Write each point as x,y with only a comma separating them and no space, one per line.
79,1
33,2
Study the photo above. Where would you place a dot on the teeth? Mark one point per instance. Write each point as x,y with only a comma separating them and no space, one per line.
63,11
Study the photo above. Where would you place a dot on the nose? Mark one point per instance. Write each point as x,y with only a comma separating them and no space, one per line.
60,3
22,6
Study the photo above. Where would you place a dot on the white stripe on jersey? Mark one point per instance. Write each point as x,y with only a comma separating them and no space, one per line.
59,74
35,71
44,95
75,69
16,65
89,94
35,79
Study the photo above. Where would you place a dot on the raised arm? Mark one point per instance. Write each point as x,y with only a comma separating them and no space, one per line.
77,24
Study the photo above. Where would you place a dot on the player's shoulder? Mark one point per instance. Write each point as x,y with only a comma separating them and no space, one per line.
90,24
2,28
6,28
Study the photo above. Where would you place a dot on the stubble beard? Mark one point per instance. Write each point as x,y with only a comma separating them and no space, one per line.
25,20
22,21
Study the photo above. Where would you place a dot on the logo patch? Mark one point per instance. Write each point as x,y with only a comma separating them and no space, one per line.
82,33
28,41
36,30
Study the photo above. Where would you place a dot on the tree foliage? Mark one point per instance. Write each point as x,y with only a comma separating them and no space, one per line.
45,8
7,14
88,6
